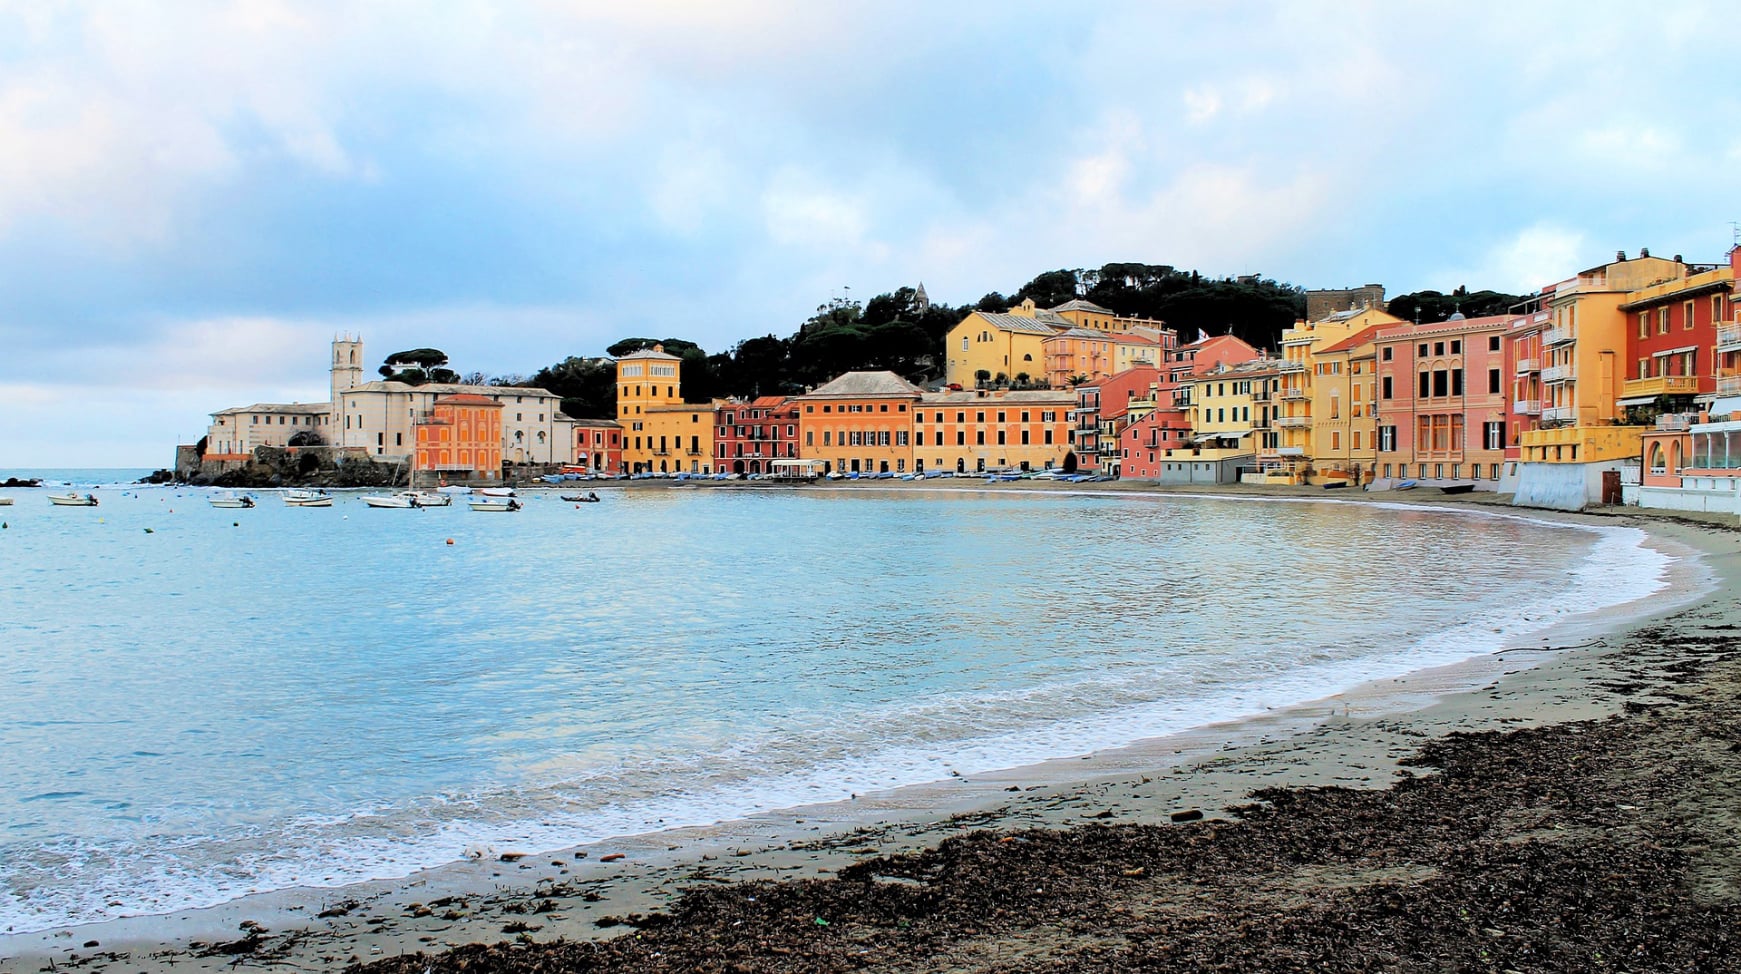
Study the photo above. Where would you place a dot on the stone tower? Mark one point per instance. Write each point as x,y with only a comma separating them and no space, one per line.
347,368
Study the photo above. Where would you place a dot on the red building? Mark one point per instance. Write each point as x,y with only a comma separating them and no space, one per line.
749,435
598,446
1145,441
1671,342
1442,400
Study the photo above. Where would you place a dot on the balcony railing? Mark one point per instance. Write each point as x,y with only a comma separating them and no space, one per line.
1556,373
1527,365
1559,414
1729,337
1558,336
1662,385
1287,366
1674,422
1527,407
1295,394
1290,422
1729,385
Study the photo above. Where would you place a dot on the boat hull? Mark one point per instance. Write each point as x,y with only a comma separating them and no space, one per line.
60,500
395,503
495,506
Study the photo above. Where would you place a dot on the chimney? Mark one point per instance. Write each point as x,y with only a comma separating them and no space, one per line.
1620,255
1644,251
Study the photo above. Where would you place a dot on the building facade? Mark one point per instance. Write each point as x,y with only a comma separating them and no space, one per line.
598,447
860,423
749,436
1443,400
460,439
974,431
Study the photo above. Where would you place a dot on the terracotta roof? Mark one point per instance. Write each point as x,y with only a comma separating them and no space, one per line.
1391,332
865,384
467,399
1355,340
1023,397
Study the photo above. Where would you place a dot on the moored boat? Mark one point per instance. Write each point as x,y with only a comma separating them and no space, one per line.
430,498
495,504
587,498
396,501
73,500
496,491
232,501
307,498
5,502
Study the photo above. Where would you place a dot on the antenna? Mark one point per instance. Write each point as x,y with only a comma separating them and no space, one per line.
1735,233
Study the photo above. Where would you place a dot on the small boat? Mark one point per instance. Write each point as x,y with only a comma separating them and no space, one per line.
5,502
73,500
395,501
431,498
496,491
495,504
1456,488
587,498
307,498
1333,484
1406,485
232,501
453,489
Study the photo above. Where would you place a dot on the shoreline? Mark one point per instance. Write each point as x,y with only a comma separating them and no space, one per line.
1207,769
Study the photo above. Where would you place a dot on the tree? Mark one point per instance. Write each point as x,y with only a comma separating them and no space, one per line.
981,377
1430,306
588,386
416,366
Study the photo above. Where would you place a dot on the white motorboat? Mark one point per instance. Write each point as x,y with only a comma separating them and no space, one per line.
5,502
453,489
496,491
495,504
232,500
307,498
73,500
399,501
431,498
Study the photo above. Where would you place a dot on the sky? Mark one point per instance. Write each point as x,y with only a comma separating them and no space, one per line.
196,197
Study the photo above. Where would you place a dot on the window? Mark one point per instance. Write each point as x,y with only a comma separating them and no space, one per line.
1457,346
1421,350
1385,356
1335,440
1438,348
1387,387
1493,436
1387,443
1687,316
1492,381
1441,387
1426,378
1493,343
1662,320
1644,324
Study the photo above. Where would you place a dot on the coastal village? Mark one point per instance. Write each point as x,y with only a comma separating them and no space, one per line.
1617,384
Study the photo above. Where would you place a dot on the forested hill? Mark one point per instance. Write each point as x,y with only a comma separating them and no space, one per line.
899,332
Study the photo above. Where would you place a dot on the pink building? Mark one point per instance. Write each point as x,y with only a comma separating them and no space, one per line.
1442,400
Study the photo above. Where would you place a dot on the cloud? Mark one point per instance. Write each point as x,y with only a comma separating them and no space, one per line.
1521,263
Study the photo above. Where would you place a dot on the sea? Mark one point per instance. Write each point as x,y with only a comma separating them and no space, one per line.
200,703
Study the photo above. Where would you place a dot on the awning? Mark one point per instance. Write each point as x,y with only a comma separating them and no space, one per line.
1636,401
1228,435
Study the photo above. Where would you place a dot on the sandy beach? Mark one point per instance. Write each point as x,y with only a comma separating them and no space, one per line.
1567,806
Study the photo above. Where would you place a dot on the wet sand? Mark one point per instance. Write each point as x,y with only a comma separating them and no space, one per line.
1319,846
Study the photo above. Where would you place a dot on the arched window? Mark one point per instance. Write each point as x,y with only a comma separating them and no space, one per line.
519,434
1658,464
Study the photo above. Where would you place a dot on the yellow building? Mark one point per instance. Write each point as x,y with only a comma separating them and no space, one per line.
1224,405
1095,355
1087,314
1584,347
979,430
1344,407
1293,416
661,433
992,349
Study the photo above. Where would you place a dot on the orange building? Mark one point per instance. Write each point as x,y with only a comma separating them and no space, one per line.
862,422
460,438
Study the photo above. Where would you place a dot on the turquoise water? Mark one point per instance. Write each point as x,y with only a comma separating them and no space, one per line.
198,703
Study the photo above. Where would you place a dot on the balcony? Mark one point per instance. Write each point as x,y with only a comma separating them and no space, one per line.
1729,385
1559,414
1527,407
1295,394
1289,366
1558,336
1674,422
1290,422
1729,337
1662,385
1556,373
1527,365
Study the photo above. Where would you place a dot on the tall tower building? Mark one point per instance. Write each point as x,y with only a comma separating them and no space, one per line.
347,373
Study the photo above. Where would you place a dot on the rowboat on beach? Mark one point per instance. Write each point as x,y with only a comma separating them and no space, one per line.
1456,488
495,504
307,498
73,500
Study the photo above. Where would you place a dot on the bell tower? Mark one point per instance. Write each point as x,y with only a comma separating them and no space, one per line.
347,371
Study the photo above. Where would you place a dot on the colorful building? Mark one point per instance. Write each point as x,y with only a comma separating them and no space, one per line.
598,446
1102,412
459,439
234,434
861,422
1576,456
1344,393
1672,343
1085,355
1293,417
750,436
661,433
978,430
1442,395
987,349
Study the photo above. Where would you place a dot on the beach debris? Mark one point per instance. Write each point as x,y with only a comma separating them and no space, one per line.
1187,815
342,908
613,857
511,856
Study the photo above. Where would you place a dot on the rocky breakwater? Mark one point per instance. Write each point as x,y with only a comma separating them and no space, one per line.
297,467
